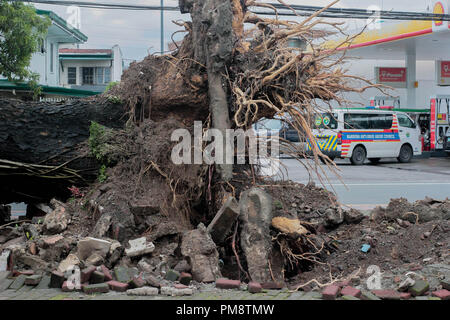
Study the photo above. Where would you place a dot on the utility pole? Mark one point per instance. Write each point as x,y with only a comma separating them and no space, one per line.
162,27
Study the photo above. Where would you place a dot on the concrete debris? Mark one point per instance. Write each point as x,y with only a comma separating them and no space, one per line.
4,258
174,292
57,220
256,242
144,291
69,263
221,225
139,247
198,246
88,246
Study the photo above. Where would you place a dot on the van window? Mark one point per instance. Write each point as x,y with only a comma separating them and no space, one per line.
326,121
364,121
404,121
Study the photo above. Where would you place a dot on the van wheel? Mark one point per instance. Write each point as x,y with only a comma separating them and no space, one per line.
406,154
374,160
359,156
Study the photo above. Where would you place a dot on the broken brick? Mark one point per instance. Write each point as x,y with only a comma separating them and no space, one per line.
117,286
254,287
387,294
227,284
330,292
86,274
56,279
185,278
96,288
106,272
350,291
444,294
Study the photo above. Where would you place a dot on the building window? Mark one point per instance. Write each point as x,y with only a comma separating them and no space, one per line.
88,76
52,57
96,76
41,45
72,75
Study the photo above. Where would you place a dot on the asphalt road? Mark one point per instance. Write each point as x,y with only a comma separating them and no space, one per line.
364,187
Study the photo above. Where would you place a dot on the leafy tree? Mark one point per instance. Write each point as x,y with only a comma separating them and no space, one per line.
21,29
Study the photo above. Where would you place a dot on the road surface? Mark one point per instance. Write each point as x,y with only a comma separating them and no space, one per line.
371,185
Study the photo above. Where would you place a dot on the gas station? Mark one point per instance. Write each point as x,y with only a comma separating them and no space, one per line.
410,42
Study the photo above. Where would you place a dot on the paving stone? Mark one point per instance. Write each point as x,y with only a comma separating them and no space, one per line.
367,295
96,288
296,295
5,284
44,284
312,295
346,297
272,285
419,288
18,282
33,280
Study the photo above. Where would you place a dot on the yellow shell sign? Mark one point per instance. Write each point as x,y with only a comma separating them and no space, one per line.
438,9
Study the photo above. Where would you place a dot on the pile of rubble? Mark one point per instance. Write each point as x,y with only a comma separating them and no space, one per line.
55,251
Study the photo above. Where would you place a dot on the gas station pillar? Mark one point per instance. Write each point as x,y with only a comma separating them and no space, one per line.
411,79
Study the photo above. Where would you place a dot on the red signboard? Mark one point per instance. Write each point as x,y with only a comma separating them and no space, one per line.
397,75
445,69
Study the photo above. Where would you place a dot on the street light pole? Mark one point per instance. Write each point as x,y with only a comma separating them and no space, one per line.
162,27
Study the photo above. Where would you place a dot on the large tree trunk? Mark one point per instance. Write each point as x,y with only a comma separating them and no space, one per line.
40,137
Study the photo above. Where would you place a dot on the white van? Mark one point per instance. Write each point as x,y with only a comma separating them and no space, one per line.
360,134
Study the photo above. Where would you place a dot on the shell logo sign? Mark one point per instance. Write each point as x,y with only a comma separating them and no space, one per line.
440,7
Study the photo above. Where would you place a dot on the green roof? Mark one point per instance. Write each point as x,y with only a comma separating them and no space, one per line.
21,86
63,23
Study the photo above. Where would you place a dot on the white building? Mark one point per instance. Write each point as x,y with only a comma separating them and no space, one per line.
90,69
45,61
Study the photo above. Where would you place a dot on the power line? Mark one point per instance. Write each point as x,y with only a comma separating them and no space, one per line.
290,10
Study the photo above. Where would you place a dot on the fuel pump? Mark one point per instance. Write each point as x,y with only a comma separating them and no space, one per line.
439,121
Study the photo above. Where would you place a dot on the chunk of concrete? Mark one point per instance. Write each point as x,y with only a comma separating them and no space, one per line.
69,263
198,246
57,220
87,246
222,223
139,247
144,291
256,242
4,258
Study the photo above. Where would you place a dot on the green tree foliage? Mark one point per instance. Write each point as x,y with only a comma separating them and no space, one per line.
21,29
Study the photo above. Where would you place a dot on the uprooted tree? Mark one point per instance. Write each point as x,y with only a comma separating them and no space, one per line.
223,74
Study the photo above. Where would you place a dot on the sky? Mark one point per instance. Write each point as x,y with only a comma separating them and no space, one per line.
138,32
